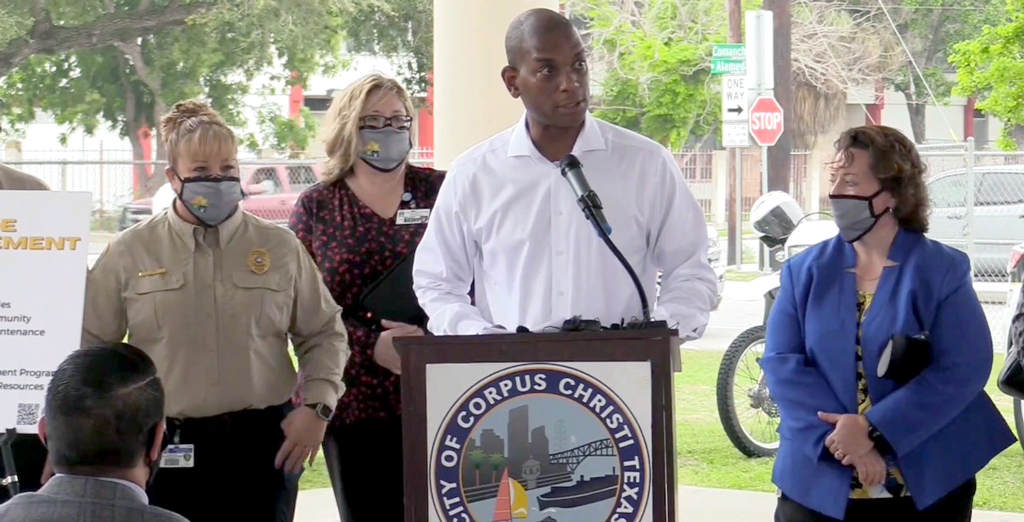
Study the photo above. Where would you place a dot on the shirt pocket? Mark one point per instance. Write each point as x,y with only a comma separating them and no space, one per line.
148,298
263,303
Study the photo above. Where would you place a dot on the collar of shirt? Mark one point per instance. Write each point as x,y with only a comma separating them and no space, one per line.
186,230
521,144
136,490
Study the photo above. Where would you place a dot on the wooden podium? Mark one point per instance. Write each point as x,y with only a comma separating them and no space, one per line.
561,427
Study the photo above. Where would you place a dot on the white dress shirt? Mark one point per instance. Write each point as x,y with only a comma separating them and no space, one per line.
507,222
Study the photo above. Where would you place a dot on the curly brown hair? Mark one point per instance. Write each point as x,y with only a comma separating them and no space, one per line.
896,164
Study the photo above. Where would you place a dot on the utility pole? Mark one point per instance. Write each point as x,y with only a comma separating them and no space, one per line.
779,156
734,167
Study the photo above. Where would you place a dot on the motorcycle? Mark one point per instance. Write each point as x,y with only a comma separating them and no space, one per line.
745,407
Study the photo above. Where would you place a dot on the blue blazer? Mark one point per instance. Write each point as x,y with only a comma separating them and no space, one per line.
942,426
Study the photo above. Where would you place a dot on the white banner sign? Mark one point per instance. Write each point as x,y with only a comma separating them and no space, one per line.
44,245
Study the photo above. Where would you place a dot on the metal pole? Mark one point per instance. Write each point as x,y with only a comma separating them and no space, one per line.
969,211
738,205
763,258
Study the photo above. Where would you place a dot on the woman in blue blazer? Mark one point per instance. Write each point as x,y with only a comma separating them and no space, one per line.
855,446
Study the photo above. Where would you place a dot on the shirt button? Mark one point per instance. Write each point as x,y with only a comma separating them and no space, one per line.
559,213
561,293
561,252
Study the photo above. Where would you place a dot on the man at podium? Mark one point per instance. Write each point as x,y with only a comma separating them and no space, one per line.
506,222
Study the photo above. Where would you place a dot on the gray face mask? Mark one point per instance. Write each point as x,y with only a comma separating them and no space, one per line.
384,149
211,199
855,215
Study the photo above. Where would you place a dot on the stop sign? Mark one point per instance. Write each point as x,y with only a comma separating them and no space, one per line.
766,121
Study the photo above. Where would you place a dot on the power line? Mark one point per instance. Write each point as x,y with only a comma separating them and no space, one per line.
918,69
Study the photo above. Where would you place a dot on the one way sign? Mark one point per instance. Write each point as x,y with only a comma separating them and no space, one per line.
734,99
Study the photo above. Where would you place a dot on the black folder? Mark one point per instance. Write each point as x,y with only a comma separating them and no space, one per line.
391,297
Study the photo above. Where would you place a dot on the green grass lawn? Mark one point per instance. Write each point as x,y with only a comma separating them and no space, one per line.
736,275
707,458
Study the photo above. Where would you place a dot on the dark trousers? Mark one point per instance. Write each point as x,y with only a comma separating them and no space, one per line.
367,457
234,476
29,458
956,506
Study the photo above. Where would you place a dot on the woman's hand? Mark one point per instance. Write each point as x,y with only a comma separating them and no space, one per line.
871,468
850,438
384,352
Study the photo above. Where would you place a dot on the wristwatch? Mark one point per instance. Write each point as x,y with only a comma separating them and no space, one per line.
879,440
322,410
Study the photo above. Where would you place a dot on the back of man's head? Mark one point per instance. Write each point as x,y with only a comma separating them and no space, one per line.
102,410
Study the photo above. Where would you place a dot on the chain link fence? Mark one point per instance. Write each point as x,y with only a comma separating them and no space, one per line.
272,186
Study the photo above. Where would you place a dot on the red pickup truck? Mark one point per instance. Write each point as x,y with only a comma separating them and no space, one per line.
271,192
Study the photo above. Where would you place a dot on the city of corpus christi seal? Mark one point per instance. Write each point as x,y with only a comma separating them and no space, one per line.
538,442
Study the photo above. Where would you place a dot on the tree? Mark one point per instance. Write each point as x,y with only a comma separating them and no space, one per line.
477,459
650,62
286,136
835,49
497,461
129,82
990,67
930,29
400,29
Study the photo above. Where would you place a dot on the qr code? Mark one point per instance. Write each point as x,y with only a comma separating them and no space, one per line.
28,414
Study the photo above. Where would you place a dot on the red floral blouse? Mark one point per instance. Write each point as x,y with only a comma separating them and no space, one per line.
354,246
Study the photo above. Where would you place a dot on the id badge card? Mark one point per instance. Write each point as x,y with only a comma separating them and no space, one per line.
415,216
178,456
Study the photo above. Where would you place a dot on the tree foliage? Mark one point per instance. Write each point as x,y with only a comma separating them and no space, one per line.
284,135
991,67
400,29
930,29
128,84
650,63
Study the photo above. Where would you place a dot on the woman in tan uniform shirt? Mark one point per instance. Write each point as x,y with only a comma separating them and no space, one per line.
212,294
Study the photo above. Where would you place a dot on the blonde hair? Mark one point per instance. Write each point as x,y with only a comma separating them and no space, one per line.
341,129
192,125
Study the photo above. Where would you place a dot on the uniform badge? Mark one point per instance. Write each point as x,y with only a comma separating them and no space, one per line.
200,202
259,261
373,149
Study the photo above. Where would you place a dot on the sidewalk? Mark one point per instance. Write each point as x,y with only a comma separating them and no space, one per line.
694,505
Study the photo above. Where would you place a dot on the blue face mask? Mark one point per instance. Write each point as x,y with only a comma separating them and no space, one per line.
211,199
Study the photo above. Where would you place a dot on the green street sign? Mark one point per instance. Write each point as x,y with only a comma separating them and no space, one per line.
728,67
734,51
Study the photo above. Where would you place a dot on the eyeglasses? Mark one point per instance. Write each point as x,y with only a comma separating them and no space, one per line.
401,121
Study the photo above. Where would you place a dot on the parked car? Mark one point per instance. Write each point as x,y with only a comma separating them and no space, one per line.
998,215
715,260
271,192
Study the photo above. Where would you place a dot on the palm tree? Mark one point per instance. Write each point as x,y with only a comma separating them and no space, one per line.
476,459
497,460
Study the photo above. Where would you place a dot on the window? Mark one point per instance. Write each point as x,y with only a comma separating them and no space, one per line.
948,192
301,178
266,174
1001,188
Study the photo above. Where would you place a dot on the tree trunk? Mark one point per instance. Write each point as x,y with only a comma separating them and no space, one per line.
45,37
917,119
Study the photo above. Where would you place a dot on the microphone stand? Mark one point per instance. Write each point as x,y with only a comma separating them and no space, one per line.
10,478
588,210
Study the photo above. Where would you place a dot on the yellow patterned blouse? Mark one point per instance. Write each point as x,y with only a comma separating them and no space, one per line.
893,485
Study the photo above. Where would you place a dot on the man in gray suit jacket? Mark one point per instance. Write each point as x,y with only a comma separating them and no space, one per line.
104,429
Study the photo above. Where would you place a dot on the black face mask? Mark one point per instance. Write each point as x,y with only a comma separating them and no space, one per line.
855,215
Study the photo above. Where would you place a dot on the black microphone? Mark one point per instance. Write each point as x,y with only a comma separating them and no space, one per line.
572,171
587,199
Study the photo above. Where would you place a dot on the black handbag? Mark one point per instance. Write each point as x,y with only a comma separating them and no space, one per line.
905,357
1011,378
